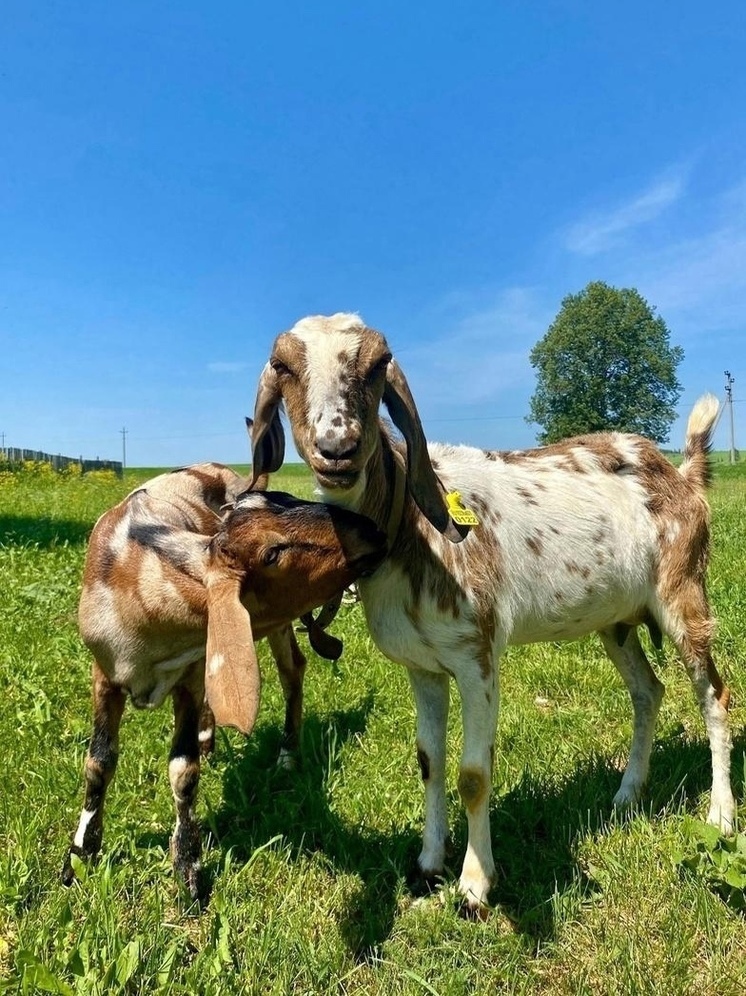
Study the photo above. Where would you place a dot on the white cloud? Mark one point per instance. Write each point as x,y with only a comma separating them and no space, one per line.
701,281
696,281
477,356
605,230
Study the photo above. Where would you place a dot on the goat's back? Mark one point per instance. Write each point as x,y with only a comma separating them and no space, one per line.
145,565
572,537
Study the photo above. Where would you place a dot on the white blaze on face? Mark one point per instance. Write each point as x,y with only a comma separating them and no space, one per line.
328,355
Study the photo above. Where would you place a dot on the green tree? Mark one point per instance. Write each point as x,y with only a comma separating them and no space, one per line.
605,363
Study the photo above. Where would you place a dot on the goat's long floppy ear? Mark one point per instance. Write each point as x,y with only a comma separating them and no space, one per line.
421,479
259,482
232,681
267,434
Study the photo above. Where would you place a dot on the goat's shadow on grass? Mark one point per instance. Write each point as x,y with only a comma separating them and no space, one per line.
261,801
43,531
535,826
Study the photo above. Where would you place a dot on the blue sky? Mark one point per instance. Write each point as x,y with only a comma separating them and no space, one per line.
180,182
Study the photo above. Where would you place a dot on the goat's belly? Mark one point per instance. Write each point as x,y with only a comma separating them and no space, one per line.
149,686
573,621
148,680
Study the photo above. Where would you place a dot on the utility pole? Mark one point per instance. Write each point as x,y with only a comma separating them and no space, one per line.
729,381
2,449
124,449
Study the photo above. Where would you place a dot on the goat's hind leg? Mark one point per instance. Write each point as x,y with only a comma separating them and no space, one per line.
691,626
183,773
713,698
622,644
100,765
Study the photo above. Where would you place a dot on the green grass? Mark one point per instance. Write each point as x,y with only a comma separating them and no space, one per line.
309,868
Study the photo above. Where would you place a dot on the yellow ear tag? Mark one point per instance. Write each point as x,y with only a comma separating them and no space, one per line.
461,515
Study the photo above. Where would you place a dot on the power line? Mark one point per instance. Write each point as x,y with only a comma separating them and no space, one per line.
729,381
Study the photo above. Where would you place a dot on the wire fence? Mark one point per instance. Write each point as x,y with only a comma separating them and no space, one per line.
14,455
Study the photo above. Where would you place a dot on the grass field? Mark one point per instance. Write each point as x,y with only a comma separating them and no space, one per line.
309,868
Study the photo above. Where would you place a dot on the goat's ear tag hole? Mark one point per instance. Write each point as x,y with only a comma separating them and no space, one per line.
460,514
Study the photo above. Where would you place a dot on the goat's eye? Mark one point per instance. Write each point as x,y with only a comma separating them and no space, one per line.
279,367
381,365
271,556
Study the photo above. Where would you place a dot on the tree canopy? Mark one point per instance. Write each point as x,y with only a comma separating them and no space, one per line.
605,363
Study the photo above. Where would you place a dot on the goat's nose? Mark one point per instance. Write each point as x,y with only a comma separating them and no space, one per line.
342,447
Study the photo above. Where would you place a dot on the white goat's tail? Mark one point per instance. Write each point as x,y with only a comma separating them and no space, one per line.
696,467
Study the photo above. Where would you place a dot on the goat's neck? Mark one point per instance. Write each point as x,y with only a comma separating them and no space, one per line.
385,494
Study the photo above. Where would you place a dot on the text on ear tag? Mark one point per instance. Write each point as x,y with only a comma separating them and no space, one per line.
461,515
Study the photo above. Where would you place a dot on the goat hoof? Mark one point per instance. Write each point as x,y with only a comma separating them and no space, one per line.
472,909
423,883
287,760
67,875
627,800
68,872
185,856
474,894
724,818
194,884
190,877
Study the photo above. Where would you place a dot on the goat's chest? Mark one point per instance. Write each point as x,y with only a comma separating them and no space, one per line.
412,627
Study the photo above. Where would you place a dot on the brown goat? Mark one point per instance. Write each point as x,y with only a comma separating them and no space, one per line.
175,592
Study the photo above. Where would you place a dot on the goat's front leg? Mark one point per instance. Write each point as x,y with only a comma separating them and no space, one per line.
291,667
431,701
183,773
100,765
478,687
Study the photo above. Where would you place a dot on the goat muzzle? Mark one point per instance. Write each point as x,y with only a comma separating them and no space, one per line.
336,475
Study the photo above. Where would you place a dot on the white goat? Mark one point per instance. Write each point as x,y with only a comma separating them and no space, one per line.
596,533
173,579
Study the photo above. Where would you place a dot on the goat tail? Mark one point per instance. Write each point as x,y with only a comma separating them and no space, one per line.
696,467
